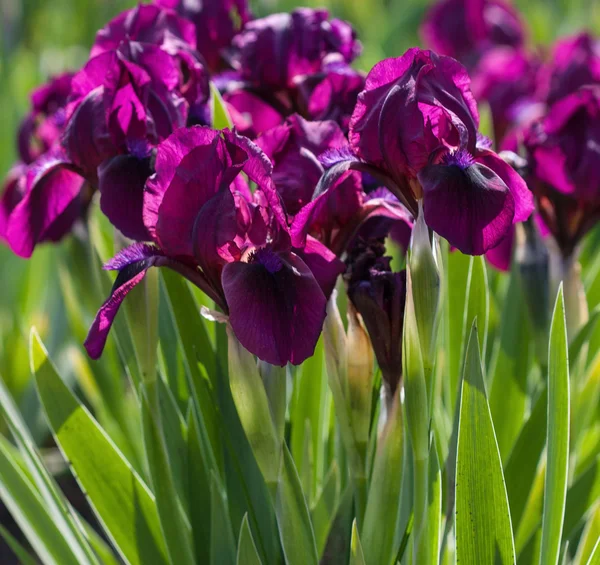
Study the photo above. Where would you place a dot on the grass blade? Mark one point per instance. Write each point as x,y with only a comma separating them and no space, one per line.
122,501
357,556
29,511
483,526
293,518
247,553
555,489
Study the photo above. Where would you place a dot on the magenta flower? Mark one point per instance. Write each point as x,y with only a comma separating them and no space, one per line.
565,166
41,202
291,63
215,21
415,129
505,78
235,245
337,215
575,62
163,28
332,93
43,195
276,51
465,28
42,127
294,148
139,86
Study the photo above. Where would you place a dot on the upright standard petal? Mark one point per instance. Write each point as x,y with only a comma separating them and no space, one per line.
276,306
191,166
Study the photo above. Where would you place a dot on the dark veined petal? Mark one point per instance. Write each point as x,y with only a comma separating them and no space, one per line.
466,203
523,197
132,264
121,183
276,306
49,206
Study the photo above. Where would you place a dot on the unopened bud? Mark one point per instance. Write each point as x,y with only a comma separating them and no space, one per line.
425,277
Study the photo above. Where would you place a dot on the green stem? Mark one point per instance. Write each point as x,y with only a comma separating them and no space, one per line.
420,495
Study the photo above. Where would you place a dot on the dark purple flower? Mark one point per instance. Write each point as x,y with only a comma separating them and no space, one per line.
43,203
464,28
278,50
294,148
163,28
233,243
125,101
216,22
250,114
415,130
505,77
332,94
564,160
379,295
42,127
575,62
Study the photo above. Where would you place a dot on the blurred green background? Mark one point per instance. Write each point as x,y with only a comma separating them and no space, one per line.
39,38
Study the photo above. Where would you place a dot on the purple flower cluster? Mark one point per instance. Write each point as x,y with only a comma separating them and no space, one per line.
321,165
544,108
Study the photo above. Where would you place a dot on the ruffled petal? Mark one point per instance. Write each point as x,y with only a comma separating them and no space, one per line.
276,307
192,165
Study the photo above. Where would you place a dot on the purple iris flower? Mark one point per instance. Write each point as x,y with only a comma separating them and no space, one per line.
41,202
163,28
138,87
337,215
291,63
575,62
234,244
43,195
276,51
42,127
294,148
332,93
215,21
463,29
564,158
505,77
415,129
379,295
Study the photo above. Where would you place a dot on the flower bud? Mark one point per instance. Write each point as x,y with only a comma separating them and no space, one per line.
360,367
426,289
